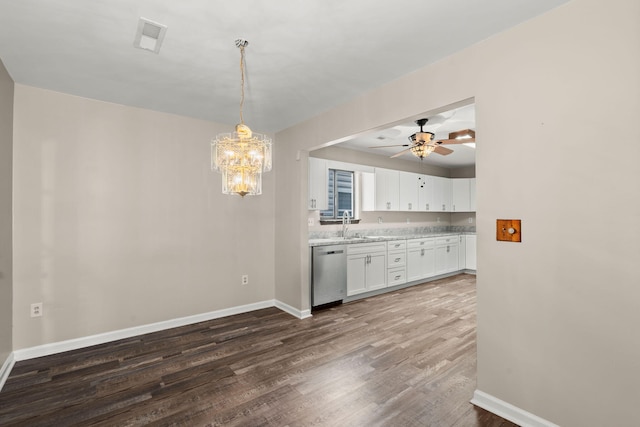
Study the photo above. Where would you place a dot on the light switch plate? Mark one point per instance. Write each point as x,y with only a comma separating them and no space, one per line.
508,230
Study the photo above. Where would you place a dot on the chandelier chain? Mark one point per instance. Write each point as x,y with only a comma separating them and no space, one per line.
241,46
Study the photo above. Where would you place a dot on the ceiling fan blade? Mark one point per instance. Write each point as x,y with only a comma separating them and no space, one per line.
401,152
463,134
443,151
455,141
387,146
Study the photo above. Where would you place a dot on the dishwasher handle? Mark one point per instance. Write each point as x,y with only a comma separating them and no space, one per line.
331,252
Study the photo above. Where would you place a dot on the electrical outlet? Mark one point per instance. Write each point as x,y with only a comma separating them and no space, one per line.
470,220
36,309
310,222
245,279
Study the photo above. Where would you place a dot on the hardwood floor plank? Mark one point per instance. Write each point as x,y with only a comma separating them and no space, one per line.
406,358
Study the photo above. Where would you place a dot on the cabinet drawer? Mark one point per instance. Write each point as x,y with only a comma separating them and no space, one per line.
397,276
397,259
366,248
420,243
396,245
449,240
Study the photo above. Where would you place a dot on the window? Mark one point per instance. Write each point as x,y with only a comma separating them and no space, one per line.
340,194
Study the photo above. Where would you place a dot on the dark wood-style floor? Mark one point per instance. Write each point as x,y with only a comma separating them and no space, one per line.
407,358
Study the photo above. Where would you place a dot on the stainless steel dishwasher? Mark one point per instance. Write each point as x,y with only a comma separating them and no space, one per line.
329,280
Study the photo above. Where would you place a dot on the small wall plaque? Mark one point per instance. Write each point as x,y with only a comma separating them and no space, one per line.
508,230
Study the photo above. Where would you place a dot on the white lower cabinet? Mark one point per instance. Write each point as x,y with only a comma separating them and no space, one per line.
366,267
421,259
446,254
372,266
470,252
396,262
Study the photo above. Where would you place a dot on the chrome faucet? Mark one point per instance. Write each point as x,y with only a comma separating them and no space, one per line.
346,221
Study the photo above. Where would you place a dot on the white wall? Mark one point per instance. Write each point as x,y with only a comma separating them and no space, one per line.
120,222
6,207
555,99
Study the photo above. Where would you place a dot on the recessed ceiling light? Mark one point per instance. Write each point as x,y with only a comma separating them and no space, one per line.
149,35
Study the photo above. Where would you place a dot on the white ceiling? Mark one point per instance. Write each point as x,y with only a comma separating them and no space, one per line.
304,56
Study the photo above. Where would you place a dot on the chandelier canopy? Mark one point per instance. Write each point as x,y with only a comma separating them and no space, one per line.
241,156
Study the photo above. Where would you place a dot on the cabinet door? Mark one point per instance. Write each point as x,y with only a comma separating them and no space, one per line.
414,264
408,190
442,194
470,252
317,184
367,191
376,271
420,263
472,195
356,274
387,187
452,257
441,259
462,253
426,200
447,258
460,195
429,262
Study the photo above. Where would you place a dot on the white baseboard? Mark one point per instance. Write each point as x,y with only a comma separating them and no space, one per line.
508,411
77,343
7,366
300,314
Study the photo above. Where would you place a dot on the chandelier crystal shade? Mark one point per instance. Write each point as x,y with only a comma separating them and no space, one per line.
241,156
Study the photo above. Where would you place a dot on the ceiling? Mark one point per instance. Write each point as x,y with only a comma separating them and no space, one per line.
304,56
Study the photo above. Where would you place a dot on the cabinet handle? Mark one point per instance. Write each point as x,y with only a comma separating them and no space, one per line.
447,248
397,277
427,206
397,245
397,260
444,207
409,206
388,205
454,208
421,252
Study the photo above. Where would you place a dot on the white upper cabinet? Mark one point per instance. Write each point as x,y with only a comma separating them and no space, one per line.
426,201
441,194
464,194
472,194
460,195
409,191
317,184
387,189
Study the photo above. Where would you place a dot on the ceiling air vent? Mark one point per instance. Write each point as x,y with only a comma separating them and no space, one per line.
149,35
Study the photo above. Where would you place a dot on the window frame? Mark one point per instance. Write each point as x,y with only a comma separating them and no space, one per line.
333,201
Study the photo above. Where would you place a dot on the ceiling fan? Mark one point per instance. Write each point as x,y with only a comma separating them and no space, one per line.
422,143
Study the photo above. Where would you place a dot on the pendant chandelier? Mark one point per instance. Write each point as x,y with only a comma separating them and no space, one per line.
241,156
